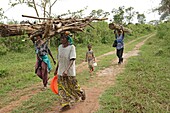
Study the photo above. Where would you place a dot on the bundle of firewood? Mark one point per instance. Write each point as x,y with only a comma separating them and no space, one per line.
14,29
114,26
49,27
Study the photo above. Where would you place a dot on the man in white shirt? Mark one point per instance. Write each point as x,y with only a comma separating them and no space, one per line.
69,90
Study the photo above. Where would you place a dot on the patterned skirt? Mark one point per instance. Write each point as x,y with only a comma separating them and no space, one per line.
69,90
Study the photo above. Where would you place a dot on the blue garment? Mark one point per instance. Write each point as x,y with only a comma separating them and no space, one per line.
120,43
47,61
44,57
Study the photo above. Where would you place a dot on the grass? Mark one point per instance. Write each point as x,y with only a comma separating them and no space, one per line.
144,86
47,97
18,73
17,70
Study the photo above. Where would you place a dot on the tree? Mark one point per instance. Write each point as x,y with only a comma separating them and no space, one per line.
99,13
118,15
44,5
2,14
130,14
141,18
164,9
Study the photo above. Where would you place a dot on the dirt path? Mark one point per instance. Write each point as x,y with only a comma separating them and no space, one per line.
83,65
91,104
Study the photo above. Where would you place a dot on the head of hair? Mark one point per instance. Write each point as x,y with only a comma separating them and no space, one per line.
40,35
63,35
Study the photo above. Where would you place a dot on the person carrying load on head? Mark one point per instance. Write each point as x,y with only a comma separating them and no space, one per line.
120,44
43,65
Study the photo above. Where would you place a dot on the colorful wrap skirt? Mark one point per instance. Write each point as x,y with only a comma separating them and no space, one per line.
69,90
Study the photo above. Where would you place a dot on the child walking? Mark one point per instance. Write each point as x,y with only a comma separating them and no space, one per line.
90,58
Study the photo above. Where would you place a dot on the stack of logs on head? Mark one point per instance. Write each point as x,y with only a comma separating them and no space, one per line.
114,26
48,28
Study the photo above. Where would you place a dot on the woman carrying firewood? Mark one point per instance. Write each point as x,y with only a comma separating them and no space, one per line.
43,66
120,44
69,89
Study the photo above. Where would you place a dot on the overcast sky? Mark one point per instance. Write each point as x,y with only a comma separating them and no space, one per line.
62,6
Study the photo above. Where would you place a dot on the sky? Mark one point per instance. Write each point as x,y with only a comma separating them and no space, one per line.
62,6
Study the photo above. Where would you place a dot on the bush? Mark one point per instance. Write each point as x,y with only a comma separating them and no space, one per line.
15,43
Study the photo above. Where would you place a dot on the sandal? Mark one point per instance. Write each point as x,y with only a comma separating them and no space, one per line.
83,95
66,107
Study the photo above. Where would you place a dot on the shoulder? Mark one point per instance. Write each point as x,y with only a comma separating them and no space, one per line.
60,46
72,46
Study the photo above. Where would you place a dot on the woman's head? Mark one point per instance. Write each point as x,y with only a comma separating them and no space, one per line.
119,32
64,39
89,46
36,36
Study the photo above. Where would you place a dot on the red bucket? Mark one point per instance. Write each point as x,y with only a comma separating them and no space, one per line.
54,84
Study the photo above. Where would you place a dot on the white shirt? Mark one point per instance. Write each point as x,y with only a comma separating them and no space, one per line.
64,56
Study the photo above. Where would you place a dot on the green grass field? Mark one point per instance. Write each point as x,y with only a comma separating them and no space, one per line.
144,86
17,73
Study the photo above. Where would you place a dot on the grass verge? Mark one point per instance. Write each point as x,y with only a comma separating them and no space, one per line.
144,86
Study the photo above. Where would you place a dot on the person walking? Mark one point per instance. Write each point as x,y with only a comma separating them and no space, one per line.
120,44
69,89
43,65
90,58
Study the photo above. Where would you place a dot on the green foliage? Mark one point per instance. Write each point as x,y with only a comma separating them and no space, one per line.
141,18
140,29
14,44
2,14
130,13
164,9
118,16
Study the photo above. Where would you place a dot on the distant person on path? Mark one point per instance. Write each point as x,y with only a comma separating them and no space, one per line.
69,89
119,34
90,58
43,66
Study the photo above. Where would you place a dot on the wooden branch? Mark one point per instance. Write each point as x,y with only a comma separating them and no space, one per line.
36,17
